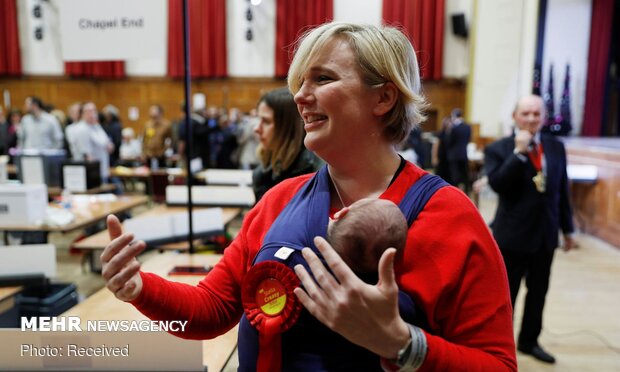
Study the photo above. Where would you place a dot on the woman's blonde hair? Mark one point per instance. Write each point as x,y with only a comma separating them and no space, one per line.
384,54
288,136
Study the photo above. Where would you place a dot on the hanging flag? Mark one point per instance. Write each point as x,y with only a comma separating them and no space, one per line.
537,80
549,104
564,125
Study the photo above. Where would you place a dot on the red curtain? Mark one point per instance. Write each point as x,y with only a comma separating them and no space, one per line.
10,56
292,18
102,70
422,21
207,19
598,65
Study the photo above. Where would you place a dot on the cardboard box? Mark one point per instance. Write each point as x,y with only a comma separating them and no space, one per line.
22,204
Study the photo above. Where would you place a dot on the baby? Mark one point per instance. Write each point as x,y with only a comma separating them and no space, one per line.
361,233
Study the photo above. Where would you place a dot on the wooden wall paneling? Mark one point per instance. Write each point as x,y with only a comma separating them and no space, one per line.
597,206
475,135
443,96
243,93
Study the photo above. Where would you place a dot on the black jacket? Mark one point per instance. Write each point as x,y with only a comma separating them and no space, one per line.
264,178
527,220
457,140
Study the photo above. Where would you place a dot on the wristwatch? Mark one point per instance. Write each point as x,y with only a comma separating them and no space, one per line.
404,354
412,355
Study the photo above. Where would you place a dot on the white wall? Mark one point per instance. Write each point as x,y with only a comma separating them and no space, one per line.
502,41
356,11
567,37
528,50
251,58
39,57
456,49
153,66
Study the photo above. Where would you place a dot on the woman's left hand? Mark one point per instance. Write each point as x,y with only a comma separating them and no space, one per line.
364,314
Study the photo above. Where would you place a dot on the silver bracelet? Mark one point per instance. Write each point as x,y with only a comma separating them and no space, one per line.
417,349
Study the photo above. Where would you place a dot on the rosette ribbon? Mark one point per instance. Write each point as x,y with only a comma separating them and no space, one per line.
271,307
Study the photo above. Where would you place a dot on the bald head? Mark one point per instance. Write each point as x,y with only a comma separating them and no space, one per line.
529,113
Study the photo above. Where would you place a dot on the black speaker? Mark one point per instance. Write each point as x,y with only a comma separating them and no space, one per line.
459,27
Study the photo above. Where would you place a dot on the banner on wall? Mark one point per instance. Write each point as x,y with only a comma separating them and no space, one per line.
104,30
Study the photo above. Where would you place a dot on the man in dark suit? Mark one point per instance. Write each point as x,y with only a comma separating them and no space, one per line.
457,138
528,171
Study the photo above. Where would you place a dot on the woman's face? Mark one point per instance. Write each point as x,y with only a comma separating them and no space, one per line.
265,129
334,102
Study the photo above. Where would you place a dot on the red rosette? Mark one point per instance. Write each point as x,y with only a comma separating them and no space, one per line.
280,305
271,307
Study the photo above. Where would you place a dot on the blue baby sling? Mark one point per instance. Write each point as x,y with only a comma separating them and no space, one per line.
309,345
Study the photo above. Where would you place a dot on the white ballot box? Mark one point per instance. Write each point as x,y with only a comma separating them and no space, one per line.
22,204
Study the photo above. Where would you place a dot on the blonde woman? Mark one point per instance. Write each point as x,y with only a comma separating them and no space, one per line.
357,90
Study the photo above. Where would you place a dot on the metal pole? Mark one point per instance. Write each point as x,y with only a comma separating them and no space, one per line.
188,124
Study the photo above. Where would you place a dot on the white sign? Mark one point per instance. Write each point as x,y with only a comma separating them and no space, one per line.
133,113
103,30
74,177
32,170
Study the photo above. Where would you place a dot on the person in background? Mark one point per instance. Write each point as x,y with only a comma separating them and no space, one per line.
157,134
200,137
39,129
15,120
281,152
415,142
111,124
528,172
357,89
225,140
88,140
74,114
8,132
439,153
248,140
131,148
214,118
4,133
457,138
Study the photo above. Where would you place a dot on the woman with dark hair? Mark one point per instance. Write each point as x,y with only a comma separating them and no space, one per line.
281,151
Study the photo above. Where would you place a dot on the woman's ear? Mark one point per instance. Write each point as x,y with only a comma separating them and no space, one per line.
388,95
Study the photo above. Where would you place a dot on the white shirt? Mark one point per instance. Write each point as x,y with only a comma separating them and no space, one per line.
130,150
41,133
90,141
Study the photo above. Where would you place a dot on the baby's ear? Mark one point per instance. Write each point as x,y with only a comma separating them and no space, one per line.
341,213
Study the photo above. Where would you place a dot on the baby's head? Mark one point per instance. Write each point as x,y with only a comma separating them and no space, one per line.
361,233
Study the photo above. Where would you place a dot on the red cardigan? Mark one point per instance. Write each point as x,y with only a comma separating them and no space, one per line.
451,268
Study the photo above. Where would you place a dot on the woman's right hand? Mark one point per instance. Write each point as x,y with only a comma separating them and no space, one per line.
120,268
